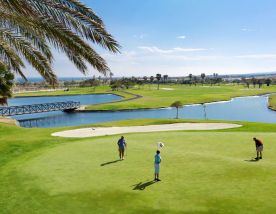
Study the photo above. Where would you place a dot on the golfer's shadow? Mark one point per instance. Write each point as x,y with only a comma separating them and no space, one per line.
110,162
252,160
143,186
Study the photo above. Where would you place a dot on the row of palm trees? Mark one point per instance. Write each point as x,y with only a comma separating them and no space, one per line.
191,77
30,29
158,77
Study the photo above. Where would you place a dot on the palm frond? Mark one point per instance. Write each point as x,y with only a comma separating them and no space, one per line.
27,27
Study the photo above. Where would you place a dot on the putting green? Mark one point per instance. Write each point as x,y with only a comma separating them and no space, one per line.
201,172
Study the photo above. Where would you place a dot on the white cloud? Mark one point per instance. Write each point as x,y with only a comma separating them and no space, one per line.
177,61
182,37
257,56
154,49
189,49
246,29
140,36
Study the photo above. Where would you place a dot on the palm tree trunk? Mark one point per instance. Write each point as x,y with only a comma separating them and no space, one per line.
176,113
3,101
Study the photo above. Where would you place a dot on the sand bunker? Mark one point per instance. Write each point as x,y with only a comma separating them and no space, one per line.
103,131
167,89
8,120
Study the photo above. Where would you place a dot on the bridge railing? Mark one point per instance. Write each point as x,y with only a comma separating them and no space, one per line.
38,108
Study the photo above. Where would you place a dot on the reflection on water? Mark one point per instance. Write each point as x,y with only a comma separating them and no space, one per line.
252,109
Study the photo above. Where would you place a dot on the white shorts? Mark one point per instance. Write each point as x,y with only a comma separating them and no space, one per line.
259,148
156,168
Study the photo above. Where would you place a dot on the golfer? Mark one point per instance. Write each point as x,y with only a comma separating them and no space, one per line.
157,161
122,146
259,148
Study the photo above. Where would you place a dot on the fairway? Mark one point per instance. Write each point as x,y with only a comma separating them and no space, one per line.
201,172
150,97
153,98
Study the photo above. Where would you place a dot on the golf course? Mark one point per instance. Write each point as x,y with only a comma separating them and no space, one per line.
202,171
137,107
150,97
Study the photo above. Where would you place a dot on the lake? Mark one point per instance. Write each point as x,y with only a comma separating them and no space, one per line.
253,109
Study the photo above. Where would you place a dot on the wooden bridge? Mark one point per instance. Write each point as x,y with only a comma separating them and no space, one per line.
38,108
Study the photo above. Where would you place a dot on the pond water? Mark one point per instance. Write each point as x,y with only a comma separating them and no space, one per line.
252,109
85,99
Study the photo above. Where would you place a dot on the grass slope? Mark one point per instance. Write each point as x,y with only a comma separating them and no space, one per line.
202,172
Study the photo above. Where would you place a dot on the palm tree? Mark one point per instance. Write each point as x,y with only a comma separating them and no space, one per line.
29,29
254,81
177,105
145,78
151,79
215,78
6,84
194,80
268,82
158,77
190,78
110,76
202,77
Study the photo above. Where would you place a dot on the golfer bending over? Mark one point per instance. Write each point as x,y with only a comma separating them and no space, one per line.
259,148
122,145
157,161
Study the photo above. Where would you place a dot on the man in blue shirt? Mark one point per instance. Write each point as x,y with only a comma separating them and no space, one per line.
157,161
122,146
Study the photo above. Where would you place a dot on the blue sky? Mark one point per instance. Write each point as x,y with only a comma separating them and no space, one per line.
178,37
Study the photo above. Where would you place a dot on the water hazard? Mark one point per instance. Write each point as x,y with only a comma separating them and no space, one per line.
252,109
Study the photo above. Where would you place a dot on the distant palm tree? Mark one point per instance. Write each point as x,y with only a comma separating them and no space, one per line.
151,79
194,80
6,84
202,77
215,78
254,81
139,83
28,30
158,77
145,78
190,78
110,76
268,82
177,105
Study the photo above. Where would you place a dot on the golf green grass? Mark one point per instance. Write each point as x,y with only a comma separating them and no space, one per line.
201,171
